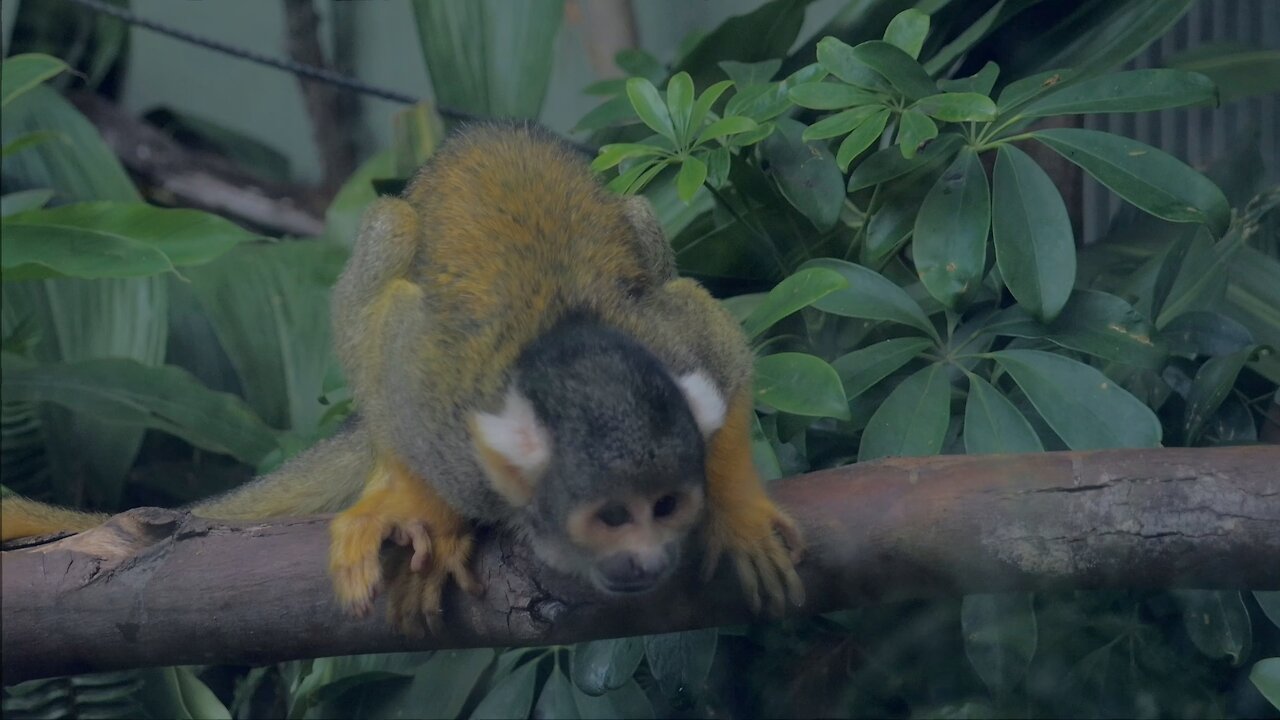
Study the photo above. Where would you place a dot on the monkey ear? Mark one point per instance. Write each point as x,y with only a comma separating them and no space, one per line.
513,446
704,400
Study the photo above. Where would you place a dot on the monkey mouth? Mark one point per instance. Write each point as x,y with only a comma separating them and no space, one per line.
628,588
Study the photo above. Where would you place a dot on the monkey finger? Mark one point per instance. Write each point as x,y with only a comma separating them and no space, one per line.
417,535
781,560
749,579
772,584
466,579
786,528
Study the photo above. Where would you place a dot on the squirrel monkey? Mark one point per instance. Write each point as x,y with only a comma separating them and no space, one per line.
521,353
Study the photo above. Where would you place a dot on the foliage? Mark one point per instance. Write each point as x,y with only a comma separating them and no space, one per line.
871,206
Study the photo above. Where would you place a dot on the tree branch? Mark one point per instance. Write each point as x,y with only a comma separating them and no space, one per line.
159,587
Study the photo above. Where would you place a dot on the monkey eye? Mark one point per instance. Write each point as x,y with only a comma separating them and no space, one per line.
665,505
614,515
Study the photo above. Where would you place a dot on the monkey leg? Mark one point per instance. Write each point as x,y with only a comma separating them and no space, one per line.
399,506
762,542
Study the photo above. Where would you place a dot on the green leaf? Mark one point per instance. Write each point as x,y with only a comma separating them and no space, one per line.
1269,601
1035,249
1022,91
861,369
1213,381
914,129
105,239
1084,407
870,296
614,112
1202,332
492,58
29,140
680,105
764,34
556,699
681,661
611,155
1150,179
703,106
831,96
907,31
1203,274
913,420
950,237
1130,91
693,172
887,163
1238,71
840,60
24,200
1104,35
1217,623
628,701
1000,637
725,127
839,123
511,697
862,137
957,107
896,66
800,290
1106,326
800,384
747,74
806,173
175,692
163,398
993,425
1265,676
980,82
649,106
603,665
20,73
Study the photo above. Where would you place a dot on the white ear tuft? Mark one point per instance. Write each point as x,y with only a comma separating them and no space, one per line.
704,400
516,434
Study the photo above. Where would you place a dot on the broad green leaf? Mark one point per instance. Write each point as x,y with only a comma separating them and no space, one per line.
870,296
440,687
1213,381
329,678
1217,623
907,31
765,102
20,73
556,699
1265,676
1106,326
914,129
831,96
649,106
175,692
628,701
950,238
1130,91
1269,601
28,140
680,105
861,369
913,420
766,33
24,200
993,425
1084,407
161,398
1035,249
1203,275
342,217
806,173
1000,637
693,172
1202,332
603,665
1022,91
763,456
1150,179
887,163
611,155
957,107
840,60
896,66
840,123
862,137
681,661
800,290
747,74
511,697
112,240
1104,35
703,105
492,58
725,127
893,215
614,112
1238,71
800,384
980,82
416,132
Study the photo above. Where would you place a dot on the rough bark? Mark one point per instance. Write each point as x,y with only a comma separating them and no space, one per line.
158,587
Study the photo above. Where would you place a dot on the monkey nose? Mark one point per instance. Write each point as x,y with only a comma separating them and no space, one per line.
629,573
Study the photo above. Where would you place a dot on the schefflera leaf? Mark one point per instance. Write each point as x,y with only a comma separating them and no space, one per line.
913,420
950,237
1035,249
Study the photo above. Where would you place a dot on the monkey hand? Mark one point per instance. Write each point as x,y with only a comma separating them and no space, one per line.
763,544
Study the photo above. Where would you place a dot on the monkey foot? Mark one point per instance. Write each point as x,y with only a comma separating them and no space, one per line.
764,546
416,593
